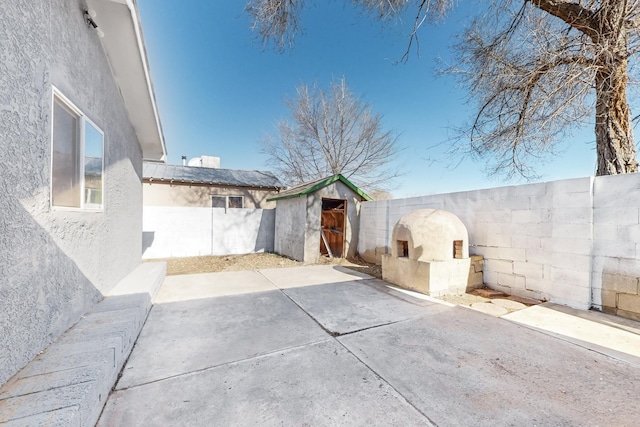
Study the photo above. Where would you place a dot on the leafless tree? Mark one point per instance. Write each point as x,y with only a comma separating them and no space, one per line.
535,68
332,132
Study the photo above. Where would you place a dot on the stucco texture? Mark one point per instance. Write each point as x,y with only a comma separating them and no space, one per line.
55,264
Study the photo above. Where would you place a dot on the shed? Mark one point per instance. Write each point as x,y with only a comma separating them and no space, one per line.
318,218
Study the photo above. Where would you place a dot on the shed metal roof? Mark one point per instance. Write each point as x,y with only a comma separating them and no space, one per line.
199,175
310,187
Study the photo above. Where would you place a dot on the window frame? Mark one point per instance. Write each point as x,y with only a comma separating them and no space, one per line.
226,201
83,120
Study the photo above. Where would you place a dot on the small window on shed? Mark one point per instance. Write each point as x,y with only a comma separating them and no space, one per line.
457,249
403,249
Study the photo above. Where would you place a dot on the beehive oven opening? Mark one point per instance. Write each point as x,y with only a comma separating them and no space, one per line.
457,249
403,249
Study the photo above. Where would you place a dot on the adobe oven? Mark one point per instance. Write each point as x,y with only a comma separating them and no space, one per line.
429,253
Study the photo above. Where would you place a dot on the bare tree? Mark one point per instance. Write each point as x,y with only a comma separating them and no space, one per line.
536,68
332,132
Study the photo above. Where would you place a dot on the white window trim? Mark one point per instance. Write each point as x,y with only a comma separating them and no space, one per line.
55,93
226,201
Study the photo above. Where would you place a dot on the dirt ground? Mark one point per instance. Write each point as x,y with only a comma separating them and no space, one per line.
211,264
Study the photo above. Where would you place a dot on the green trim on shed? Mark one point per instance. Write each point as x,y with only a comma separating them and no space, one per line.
308,188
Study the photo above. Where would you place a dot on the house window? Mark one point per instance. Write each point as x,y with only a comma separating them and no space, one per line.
77,158
236,202
227,202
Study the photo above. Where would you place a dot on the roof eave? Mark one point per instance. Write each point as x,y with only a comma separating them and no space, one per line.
124,45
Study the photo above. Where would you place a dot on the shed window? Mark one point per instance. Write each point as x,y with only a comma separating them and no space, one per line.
77,167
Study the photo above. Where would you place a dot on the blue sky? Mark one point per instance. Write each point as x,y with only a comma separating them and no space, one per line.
219,91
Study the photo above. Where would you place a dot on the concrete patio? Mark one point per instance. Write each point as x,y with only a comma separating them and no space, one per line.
323,345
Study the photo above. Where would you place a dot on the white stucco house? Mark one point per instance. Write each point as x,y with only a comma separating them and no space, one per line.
77,118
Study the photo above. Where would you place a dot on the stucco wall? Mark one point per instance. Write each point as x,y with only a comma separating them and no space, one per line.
291,216
179,232
157,194
54,264
336,190
575,242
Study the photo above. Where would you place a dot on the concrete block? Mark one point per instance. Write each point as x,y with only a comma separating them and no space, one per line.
563,277
526,242
523,216
618,215
475,280
614,248
575,185
605,231
580,246
528,269
581,200
538,256
498,266
629,233
626,266
512,254
487,252
562,216
608,298
496,239
512,281
572,230
620,283
617,190
570,261
537,230
539,285
629,303
577,300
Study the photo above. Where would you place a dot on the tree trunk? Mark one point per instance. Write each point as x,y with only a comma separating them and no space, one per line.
614,131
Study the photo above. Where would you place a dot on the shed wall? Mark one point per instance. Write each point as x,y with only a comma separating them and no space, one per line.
290,223
54,264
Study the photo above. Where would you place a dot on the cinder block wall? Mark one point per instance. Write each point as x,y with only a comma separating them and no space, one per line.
573,242
616,245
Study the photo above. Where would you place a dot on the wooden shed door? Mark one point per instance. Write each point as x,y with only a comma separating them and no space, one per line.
333,224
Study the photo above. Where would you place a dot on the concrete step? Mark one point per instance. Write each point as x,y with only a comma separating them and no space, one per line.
69,382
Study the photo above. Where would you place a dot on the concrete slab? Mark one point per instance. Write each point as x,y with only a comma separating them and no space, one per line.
208,285
317,384
489,308
610,335
285,278
187,336
347,307
508,304
462,367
